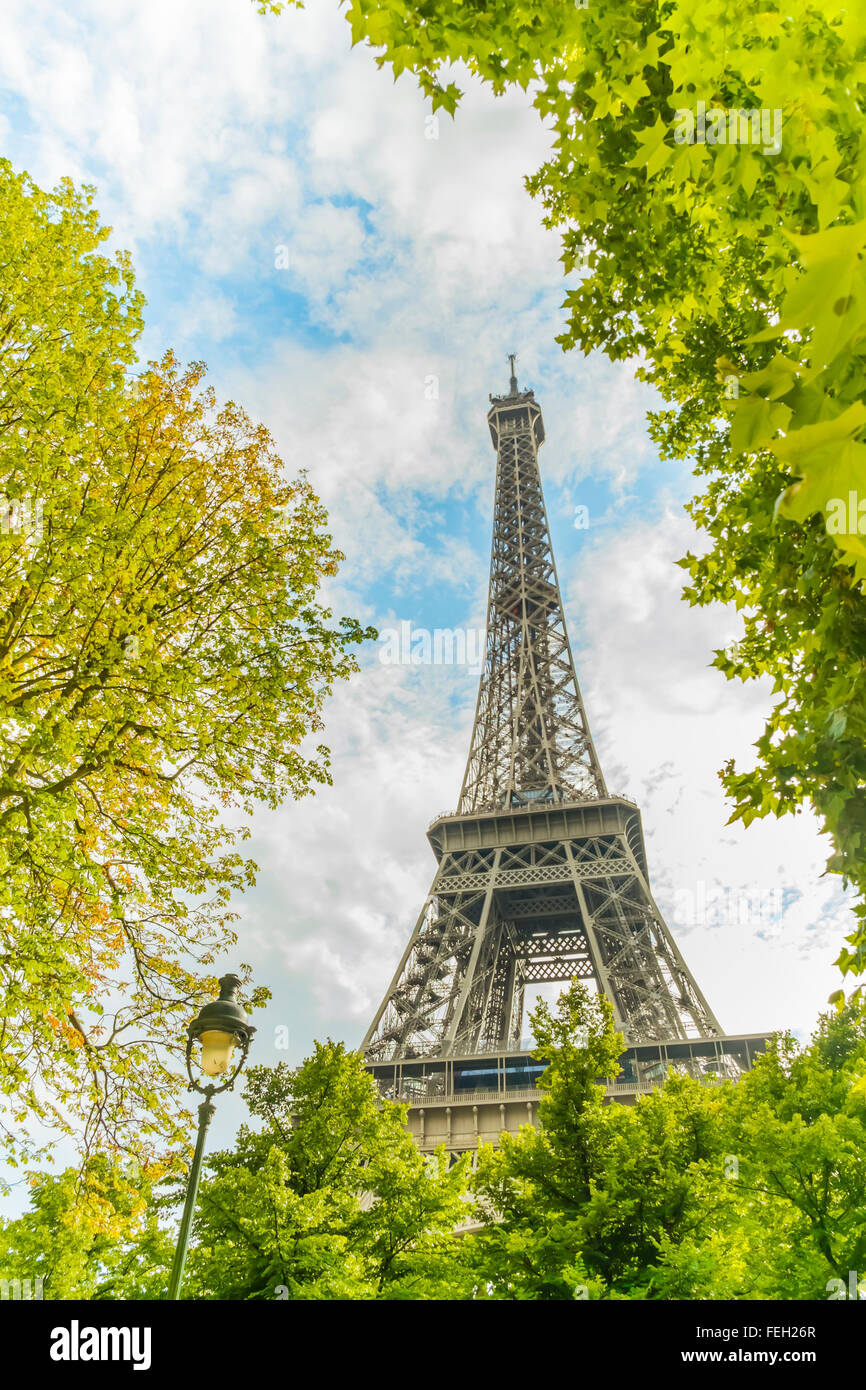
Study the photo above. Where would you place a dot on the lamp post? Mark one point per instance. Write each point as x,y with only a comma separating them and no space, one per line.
219,1027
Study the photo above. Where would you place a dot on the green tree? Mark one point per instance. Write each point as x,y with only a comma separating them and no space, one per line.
92,1233
330,1199
730,262
164,660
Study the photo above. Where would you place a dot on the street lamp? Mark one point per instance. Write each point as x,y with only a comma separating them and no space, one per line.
219,1027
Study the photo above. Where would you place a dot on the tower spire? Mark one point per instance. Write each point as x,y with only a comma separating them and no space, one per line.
512,385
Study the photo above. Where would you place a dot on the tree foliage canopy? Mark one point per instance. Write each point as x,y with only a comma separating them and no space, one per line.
91,1233
164,658
329,1199
746,1190
753,1190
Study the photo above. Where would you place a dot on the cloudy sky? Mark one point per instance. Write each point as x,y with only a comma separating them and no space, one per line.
354,274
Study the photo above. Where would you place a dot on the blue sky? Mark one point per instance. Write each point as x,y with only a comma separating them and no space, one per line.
215,137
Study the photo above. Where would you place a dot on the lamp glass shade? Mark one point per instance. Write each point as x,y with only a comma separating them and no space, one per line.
216,1051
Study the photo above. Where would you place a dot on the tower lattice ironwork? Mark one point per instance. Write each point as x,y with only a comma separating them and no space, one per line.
541,875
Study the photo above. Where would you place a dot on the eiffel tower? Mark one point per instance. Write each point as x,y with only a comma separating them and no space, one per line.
542,874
